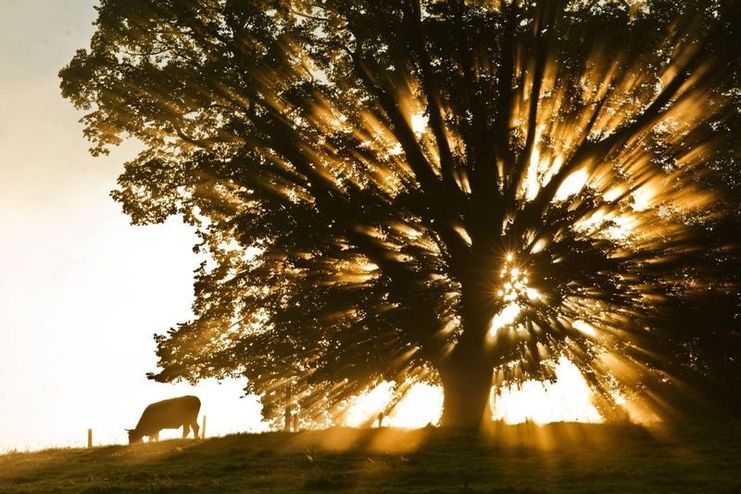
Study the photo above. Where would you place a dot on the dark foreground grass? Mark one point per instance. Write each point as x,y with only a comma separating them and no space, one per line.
558,458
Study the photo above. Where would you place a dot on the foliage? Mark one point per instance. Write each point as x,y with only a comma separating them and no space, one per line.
453,191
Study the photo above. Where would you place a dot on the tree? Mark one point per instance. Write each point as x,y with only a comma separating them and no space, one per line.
455,191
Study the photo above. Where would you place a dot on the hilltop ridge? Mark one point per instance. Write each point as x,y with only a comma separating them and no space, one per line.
564,457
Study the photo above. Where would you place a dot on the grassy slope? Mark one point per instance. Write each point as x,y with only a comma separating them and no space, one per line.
557,458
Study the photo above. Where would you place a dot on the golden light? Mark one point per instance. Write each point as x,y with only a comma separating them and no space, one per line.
584,327
573,184
366,407
419,123
513,292
421,405
618,204
505,317
567,399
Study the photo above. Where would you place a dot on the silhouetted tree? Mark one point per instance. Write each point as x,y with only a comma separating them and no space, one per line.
454,191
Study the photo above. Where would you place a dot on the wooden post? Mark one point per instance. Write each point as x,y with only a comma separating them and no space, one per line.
203,429
288,412
89,438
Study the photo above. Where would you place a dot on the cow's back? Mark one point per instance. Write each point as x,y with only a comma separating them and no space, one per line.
169,414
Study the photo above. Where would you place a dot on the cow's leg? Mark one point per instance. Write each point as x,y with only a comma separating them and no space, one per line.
195,428
186,430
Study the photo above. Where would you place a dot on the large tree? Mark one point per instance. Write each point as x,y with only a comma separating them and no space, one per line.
453,191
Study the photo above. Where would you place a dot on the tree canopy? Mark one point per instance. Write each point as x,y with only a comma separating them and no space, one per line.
450,191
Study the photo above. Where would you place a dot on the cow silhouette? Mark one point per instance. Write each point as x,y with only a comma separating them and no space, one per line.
167,414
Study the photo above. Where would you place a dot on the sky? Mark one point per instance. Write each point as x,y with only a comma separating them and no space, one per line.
81,290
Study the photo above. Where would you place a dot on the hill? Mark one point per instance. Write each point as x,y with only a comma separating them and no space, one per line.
556,458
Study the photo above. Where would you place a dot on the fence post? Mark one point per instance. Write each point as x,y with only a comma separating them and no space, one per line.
203,429
89,438
288,408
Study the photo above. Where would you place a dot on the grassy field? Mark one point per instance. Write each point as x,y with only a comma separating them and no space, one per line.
558,458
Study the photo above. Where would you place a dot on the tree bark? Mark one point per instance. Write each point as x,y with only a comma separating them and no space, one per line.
466,373
466,392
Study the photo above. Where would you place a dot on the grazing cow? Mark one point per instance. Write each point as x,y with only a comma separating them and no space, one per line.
167,414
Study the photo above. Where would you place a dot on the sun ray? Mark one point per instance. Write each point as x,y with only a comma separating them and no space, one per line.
415,210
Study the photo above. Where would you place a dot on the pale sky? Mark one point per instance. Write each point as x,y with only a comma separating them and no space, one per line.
81,291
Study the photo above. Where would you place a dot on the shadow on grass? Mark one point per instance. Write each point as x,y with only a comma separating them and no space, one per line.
567,458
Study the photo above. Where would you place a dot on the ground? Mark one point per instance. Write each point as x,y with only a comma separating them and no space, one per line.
557,458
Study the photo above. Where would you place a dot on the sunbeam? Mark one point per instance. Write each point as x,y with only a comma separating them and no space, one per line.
534,196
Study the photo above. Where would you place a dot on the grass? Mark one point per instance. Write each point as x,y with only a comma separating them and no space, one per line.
557,458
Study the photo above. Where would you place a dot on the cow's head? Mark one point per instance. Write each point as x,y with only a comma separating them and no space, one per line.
134,436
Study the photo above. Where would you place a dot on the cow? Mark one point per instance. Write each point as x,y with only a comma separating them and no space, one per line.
167,414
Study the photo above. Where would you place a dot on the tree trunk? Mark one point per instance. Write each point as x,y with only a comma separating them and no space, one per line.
466,374
466,393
